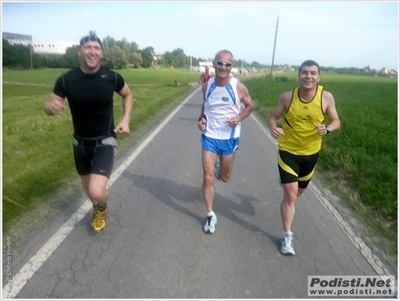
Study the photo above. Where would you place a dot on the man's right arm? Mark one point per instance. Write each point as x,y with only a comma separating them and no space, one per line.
280,108
202,120
54,105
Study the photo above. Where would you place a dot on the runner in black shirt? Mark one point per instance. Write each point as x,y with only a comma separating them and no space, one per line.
89,90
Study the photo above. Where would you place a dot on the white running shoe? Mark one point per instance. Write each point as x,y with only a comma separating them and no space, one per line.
217,168
211,222
287,245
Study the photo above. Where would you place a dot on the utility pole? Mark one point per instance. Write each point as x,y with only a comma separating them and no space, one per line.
30,54
273,55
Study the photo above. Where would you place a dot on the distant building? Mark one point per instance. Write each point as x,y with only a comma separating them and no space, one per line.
389,72
57,47
203,67
158,55
15,38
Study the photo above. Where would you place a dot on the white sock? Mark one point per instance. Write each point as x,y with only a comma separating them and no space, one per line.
288,234
211,213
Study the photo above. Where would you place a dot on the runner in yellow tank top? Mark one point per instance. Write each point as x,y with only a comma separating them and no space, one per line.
301,136
300,139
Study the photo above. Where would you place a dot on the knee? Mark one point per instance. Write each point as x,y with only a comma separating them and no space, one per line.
208,179
225,178
97,193
290,198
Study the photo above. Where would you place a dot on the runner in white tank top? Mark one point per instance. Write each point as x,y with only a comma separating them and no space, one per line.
220,124
221,104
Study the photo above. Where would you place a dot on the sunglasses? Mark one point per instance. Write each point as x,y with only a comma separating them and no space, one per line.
227,65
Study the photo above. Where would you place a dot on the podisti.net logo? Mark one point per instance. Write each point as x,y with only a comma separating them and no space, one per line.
351,286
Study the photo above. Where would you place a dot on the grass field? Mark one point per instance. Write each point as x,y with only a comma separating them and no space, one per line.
359,162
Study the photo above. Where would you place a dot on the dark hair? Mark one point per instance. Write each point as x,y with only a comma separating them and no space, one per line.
309,63
91,37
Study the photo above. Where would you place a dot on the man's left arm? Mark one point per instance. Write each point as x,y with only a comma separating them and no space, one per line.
245,98
329,107
127,102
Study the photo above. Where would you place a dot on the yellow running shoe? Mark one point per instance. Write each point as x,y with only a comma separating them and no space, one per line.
99,219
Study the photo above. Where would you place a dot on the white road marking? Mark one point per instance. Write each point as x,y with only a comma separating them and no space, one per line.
18,281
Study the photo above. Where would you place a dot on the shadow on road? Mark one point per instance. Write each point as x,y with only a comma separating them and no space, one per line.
178,196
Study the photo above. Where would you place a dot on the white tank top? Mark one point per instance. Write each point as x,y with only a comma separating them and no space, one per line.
221,103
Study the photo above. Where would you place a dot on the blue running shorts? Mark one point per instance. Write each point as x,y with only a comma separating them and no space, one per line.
220,147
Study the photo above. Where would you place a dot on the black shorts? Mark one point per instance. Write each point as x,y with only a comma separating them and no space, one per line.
94,155
293,168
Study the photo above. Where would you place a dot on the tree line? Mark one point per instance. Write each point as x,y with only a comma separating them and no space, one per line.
123,54
117,55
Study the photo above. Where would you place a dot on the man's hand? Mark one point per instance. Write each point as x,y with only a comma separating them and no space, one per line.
122,128
54,106
277,132
202,124
233,121
321,129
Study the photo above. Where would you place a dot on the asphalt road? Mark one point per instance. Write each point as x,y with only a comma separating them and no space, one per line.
154,247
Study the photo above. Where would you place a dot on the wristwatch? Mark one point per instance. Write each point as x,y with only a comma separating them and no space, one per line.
203,116
328,129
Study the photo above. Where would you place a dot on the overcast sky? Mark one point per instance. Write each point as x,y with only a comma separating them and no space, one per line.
338,34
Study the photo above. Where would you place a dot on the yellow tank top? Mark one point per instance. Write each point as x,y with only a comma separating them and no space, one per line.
301,136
